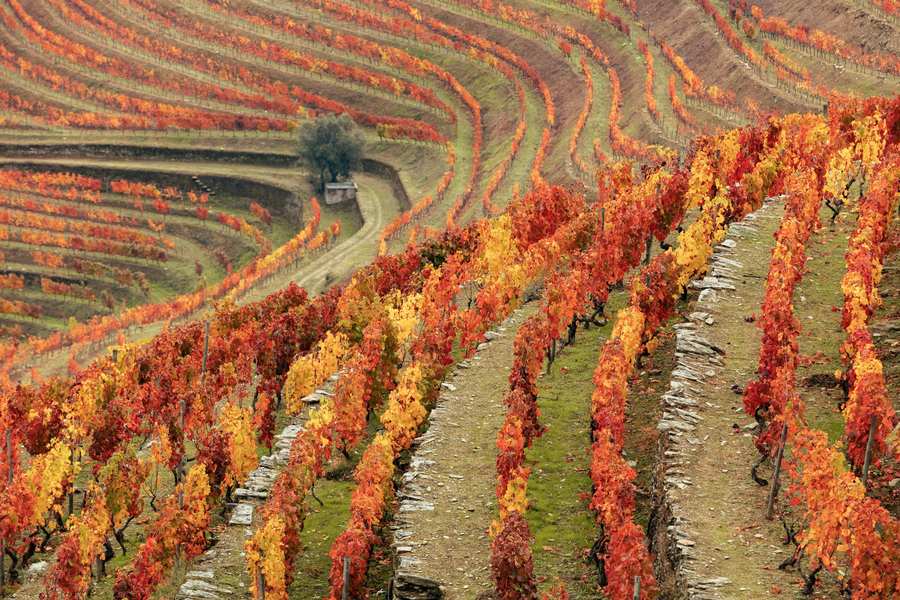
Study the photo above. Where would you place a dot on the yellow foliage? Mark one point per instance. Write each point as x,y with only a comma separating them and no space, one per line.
870,140
404,412
88,530
500,249
93,394
321,418
265,553
311,370
195,490
838,172
358,305
515,498
628,329
856,298
50,472
403,314
729,147
597,7
91,527
700,180
300,381
237,422
695,244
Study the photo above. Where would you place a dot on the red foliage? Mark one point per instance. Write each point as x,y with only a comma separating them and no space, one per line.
511,562
778,352
867,397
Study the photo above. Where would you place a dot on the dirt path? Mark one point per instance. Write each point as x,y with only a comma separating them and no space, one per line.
723,546
448,500
344,258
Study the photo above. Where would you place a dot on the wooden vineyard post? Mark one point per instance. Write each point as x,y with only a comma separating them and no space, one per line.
205,348
97,567
770,506
182,408
9,456
254,381
637,587
72,493
179,472
868,460
9,478
260,583
345,587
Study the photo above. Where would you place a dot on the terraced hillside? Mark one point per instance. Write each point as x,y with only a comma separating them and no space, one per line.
611,273
462,102
79,245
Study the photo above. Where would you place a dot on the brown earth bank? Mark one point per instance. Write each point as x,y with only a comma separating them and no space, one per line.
845,19
566,87
693,34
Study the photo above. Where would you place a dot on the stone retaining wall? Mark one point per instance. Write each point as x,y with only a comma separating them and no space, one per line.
201,583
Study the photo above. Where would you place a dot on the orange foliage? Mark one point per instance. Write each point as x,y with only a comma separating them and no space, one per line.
649,98
826,42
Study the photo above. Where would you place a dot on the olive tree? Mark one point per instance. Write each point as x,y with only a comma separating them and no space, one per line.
331,147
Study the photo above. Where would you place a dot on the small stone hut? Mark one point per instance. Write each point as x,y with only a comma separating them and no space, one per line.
335,193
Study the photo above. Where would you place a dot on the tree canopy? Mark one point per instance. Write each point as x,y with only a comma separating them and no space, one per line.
330,146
